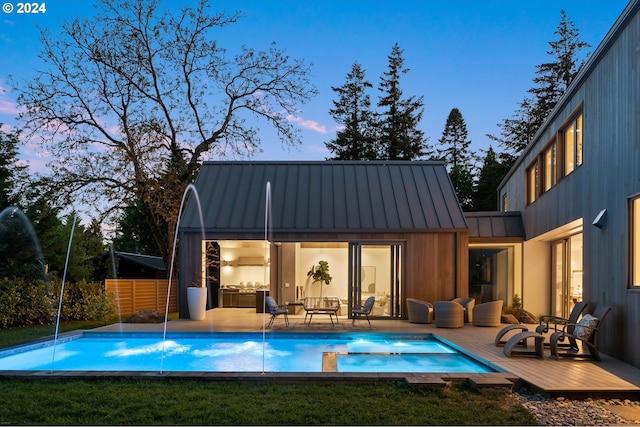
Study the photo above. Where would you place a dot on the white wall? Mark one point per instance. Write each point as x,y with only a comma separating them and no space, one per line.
338,259
536,277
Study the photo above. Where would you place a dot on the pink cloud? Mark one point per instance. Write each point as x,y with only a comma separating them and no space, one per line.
307,124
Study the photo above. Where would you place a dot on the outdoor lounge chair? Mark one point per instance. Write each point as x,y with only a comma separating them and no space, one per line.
488,313
419,311
449,314
585,331
555,323
365,310
467,304
277,310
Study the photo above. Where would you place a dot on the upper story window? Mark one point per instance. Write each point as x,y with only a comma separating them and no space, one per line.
634,242
549,166
532,183
572,138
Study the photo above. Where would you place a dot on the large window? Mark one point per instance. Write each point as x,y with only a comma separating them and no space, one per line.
549,167
572,136
634,242
532,183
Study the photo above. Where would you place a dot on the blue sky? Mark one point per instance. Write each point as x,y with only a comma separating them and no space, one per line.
476,55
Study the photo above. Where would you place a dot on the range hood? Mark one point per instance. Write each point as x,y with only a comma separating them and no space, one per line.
247,261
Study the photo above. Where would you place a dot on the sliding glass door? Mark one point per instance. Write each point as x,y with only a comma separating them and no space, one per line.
376,270
566,280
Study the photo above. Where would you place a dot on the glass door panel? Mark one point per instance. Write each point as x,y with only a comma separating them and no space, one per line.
566,274
376,270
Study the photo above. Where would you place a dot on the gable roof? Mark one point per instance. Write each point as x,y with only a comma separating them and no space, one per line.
495,225
325,196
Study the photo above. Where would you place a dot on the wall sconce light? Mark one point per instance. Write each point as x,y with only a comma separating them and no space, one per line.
601,219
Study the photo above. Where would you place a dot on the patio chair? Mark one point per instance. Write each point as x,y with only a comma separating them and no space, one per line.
488,313
276,310
467,304
419,311
585,331
449,314
548,322
365,310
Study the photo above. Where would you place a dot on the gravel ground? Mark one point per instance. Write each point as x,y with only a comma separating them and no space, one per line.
589,412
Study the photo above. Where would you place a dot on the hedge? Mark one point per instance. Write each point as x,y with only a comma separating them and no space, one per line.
24,303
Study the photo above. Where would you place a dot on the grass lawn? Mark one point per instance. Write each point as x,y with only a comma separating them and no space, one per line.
171,402
108,401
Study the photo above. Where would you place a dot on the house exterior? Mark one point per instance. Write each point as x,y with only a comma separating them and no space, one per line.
394,230
577,187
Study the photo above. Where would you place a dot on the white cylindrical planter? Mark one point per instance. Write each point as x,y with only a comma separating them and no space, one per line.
197,301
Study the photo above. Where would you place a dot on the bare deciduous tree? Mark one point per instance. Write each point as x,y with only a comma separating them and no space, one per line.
130,102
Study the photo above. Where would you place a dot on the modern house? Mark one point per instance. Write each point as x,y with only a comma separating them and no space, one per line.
567,228
394,230
577,187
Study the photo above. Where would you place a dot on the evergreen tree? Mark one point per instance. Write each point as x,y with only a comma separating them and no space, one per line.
454,151
462,180
133,233
454,145
356,139
400,137
554,77
485,196
551,81
11,173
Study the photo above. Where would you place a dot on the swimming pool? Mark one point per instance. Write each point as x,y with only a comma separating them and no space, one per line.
243,352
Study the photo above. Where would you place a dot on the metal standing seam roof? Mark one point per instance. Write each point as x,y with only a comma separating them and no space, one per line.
505,225
325,196
148,261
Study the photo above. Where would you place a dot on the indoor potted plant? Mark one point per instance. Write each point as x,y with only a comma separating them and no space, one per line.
197,300
320,273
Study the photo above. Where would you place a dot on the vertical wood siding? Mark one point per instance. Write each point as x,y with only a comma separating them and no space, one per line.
609,92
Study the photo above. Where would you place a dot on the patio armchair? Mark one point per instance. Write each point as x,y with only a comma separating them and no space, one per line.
419,311
585,331
467,304
549,322
365,310
488,313
276,310
449,314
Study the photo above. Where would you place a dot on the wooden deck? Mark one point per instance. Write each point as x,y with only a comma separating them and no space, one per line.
610,378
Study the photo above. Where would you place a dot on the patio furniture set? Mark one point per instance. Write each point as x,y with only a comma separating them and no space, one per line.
563,334
328,306
454,313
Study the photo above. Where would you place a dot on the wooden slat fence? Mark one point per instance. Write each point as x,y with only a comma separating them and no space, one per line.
134,295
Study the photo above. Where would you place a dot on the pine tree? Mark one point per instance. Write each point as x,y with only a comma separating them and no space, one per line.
553,78
551,81
400,137
454,151
485,196
12,174
356,139
454,145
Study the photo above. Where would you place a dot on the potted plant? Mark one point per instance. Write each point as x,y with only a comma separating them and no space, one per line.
320,273
197,300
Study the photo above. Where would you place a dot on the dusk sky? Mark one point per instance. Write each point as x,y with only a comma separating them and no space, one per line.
478,56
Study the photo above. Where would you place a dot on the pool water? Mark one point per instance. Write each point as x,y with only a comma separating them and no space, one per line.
242,352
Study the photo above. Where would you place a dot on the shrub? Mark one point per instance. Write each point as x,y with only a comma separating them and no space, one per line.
84,301
24,303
